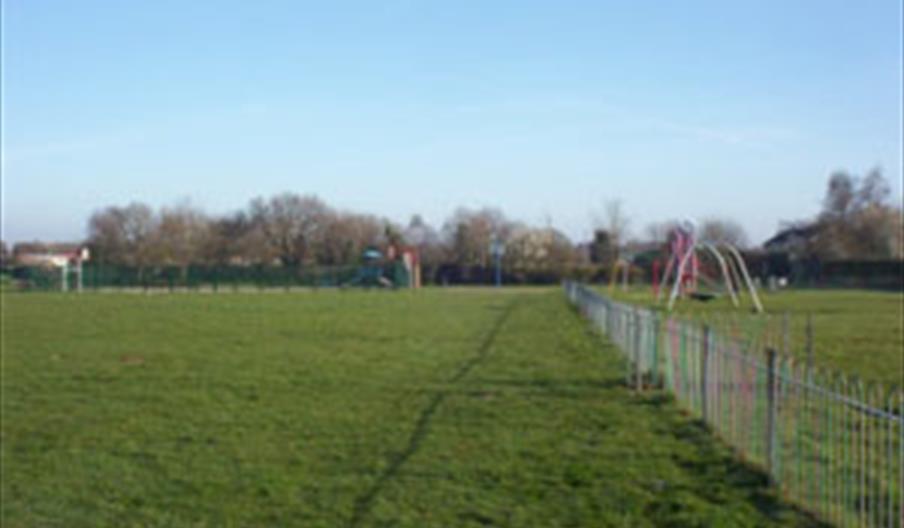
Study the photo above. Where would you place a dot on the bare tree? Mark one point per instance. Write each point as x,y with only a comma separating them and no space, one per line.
873,191
347,236
292,225
427,241
545,248
602,248
223,240
617,222
840,196
659,231
610,232
722,231
181,234
124,235
254,246
614,221
857,220
468,234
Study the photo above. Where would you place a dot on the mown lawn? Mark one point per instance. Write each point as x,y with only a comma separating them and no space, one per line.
856,332
431,408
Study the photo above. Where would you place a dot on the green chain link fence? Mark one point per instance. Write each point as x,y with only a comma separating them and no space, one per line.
98,277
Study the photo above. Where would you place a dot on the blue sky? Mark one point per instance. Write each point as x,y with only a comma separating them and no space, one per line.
544,109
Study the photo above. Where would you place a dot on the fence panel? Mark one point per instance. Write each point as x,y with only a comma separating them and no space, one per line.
101,277
830,443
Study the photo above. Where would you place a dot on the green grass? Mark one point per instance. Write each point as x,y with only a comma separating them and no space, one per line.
856,332
409,409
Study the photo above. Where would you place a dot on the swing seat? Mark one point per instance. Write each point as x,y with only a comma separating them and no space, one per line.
703,296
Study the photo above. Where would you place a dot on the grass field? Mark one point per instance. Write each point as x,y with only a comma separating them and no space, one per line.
434,408
856,332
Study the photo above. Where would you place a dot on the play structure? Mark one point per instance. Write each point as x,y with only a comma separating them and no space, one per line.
684,267
398,267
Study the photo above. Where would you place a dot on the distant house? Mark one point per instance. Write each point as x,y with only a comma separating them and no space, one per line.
56,255
795,242
789,253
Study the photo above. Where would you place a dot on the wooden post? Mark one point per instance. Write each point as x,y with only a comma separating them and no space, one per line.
771,411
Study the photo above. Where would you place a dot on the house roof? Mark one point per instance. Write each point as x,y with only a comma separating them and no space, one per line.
790,233
51,248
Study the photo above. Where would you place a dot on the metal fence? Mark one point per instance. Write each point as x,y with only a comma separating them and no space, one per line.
94,277
830,443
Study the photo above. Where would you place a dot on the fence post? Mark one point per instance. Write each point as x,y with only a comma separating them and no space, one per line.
809,336
654,371
704,368
786,334
638,372
770,412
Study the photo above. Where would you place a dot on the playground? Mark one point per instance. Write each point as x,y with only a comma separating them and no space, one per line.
361,399
331,408
856,332
853,331
442,264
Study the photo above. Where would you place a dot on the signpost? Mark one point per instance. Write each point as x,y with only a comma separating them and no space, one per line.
497,249
83,255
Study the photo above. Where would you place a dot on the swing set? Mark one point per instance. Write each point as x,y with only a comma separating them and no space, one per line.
684,268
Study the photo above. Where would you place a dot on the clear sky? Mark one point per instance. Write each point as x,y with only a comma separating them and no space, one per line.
544,109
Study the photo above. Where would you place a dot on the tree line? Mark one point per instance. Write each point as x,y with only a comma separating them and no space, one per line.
289,229
857,221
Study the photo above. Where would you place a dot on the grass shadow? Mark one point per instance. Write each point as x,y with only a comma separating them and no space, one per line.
364,502
713,468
